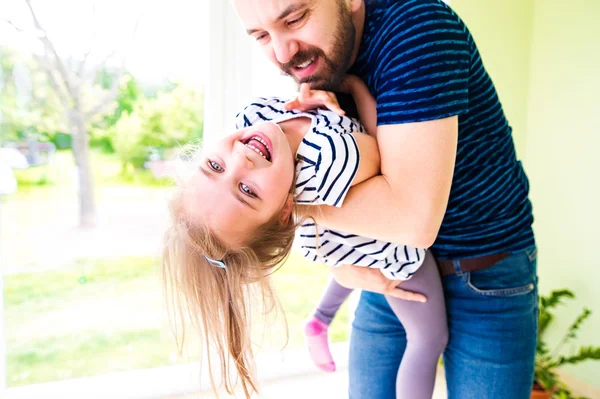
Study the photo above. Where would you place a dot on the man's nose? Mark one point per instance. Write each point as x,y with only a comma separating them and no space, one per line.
284,49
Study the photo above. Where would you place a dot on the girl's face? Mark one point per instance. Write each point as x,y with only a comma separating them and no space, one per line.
241,183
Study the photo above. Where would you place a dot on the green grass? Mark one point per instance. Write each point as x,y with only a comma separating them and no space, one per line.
87,353
299,285
85,276
106,169
100,316
46,198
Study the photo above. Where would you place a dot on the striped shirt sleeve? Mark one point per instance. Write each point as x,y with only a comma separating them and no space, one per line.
424,61
259,110
336,167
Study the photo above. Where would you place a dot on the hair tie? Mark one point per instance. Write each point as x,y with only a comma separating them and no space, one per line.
216,263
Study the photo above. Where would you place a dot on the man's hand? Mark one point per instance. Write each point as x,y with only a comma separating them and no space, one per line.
308,99
372,280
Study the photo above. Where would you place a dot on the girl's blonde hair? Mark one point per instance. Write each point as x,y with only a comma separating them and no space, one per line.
218,301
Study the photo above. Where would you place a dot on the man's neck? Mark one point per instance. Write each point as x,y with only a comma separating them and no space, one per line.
358,18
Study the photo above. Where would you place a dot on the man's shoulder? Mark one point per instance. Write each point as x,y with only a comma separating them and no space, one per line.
404,33
396,17
405,7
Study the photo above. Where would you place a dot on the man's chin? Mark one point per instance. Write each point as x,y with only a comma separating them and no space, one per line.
323,84
318,82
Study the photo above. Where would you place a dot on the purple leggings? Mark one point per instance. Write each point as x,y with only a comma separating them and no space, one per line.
424,323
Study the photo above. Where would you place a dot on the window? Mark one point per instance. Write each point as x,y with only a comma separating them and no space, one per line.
87,301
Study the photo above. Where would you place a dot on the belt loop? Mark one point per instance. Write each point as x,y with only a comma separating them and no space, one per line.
457,267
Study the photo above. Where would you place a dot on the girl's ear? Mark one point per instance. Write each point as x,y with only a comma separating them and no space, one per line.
286,214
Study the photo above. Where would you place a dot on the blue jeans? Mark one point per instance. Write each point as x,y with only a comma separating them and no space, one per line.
492,319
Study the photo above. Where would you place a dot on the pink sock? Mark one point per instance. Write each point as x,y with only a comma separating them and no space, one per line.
317,340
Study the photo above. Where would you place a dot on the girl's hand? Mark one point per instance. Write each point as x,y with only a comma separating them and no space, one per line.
308,99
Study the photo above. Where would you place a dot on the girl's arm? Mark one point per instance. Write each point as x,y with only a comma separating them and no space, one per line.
370,161
365,103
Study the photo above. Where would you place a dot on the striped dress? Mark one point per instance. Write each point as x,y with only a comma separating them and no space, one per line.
326,163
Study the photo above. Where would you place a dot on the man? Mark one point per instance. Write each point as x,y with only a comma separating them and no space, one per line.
450,181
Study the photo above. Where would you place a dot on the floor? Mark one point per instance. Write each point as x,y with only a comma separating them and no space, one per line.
313,386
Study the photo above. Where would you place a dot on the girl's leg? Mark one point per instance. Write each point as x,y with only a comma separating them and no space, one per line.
316,327
332,299
426,332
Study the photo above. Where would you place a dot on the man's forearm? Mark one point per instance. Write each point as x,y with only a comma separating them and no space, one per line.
407,203
372,209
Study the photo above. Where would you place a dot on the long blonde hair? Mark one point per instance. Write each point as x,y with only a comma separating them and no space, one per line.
218,301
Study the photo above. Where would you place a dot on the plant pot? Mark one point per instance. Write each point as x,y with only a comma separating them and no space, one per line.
537,392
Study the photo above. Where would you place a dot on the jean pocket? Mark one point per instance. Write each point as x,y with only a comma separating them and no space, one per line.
515,275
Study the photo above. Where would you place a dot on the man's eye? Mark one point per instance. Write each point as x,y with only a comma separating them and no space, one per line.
261,37
215,166
247,190
297,20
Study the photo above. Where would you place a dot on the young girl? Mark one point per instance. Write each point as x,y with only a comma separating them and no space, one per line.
235,220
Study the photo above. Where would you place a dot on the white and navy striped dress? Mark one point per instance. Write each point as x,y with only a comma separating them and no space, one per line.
327,162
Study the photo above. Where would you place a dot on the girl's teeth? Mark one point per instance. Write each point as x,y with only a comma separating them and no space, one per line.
259,152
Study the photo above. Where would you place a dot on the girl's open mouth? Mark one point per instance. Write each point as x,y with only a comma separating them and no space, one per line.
260,144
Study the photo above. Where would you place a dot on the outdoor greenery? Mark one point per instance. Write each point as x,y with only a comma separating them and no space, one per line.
144,120
98,316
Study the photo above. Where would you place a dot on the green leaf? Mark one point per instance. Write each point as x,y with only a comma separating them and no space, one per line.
585,353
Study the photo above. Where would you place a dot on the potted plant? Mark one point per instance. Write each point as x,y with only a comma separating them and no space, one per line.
547,384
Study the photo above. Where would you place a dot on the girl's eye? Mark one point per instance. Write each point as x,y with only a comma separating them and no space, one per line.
247,190
215,166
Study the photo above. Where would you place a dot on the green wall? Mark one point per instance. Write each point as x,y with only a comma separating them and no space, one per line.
544,57
563,158
502,30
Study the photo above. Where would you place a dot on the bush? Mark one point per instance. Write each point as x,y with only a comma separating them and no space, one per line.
154,124
62,141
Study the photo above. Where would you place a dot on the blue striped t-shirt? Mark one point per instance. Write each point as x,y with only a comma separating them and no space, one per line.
421,63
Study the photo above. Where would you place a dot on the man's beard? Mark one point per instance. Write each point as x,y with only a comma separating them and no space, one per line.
334,68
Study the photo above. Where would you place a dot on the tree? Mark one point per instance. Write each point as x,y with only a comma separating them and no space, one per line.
82,100
39,113
171,118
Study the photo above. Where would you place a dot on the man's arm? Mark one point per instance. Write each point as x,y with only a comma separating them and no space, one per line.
421,87
370,160
406,204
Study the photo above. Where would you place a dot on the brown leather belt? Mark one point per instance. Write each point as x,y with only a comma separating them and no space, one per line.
446,267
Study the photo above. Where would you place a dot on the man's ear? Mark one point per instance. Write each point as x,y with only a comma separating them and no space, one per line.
286,214
355,5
